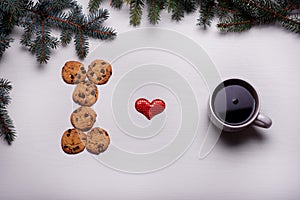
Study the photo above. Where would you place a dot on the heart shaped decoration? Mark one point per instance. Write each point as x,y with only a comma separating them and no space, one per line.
149,110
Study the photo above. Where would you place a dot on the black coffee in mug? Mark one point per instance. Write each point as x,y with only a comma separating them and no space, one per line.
233,103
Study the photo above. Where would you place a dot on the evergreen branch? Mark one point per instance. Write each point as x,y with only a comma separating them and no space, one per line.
153,11
190,5
5,84
43,44
4,97
65,22
6,126
45,15
136,7
207,12
4,43
7,6
292,26
28,31
116,3
268,12
177,9
66,36
81,44
94,5
272,12
97,17
234,24
102,33
43,57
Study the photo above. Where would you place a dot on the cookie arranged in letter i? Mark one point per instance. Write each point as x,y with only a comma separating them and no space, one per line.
73,72
73,141
85,93
99,72
97,141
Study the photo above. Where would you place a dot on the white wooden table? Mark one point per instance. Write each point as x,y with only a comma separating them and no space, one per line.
258,164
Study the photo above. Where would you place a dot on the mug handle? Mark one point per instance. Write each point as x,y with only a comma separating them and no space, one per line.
263,121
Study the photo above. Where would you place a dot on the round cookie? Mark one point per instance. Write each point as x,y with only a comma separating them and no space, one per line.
97,141
73,141
73,72
83,118
85,93
99,72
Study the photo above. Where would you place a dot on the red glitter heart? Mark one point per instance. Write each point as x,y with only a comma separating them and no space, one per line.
148,109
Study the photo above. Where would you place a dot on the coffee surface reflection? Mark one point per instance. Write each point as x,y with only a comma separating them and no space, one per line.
234,104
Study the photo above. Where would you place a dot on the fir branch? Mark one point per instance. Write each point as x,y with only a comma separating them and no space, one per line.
94,5
154,8
4,97
81,44
6,125
4,43
5,85
96,18
235,24
136,7
266,11
43,16
5,88
176,7
234,15
116,3
207,12
7,129
190,5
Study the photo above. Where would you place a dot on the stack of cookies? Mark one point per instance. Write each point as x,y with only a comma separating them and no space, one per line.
95,140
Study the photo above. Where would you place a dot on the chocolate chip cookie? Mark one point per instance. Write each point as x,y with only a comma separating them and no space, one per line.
99,72
83,118
73,141
73,72
85,93
97,140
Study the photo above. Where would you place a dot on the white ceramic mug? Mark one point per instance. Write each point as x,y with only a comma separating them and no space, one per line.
234,106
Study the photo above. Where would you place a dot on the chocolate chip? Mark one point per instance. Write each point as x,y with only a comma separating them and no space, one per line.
94,64
103,63
93,92
83,96
110,73
102,71
79,77
75,111
68,135
85,102
76,148
105,133
104,76
83,72
69,131
76,119
99,78
81,68
86,115
65,147
72,77
92,73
